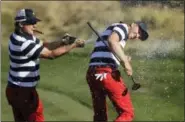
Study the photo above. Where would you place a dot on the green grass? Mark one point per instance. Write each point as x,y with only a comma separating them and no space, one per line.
65,94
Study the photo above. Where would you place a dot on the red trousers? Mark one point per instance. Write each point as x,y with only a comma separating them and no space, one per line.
26,105
105,81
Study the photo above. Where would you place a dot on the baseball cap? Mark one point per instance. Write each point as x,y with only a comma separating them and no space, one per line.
143,29
26,16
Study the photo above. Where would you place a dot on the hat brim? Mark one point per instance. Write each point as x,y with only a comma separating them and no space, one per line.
31,21
37,20
144,35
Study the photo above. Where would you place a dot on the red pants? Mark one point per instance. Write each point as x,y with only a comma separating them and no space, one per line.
105,81
26,105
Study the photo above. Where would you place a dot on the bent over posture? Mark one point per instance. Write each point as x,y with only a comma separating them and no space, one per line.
24,52
103,76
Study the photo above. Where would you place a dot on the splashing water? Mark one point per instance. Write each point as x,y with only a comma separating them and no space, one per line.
157,48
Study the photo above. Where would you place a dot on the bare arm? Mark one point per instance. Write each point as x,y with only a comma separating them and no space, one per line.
52,45
52,54
67,39
115,46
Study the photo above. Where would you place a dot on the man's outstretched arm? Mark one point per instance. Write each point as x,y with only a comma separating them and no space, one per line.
61,50
67,39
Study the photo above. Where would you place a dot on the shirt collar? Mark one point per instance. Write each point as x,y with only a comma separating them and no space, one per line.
24,34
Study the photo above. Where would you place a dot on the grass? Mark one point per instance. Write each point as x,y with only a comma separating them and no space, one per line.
65,94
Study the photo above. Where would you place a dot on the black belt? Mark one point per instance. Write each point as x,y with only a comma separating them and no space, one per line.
16,86
103,66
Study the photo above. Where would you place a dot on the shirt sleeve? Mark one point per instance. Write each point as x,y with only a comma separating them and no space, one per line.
121,31
32,49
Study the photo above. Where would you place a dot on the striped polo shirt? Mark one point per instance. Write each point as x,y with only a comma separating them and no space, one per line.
24,51
101,55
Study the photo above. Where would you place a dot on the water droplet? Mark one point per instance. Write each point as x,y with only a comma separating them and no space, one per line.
166,88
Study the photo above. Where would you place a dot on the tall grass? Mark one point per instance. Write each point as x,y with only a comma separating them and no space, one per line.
71,16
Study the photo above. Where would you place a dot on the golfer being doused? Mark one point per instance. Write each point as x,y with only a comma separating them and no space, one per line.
25,49
103,76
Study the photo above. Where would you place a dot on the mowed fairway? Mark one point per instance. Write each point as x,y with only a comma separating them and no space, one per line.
65,94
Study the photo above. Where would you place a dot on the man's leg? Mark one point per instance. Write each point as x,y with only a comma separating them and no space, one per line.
99,106
34,111
13,101
18,117
98,98
119,96
38,114
25,103
123,106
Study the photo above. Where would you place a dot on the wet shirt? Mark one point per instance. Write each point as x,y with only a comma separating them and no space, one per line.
101,54
24,51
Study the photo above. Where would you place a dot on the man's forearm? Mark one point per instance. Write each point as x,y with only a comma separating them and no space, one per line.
52,45
117,50
65,40
62,50
124,61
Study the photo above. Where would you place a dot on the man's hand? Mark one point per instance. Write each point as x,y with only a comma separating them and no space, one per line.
128,68
67,39
80,43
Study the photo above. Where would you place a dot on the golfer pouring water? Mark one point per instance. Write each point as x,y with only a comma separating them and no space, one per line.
25,51
103,76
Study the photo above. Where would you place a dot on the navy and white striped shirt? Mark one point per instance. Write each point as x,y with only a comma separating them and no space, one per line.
24,51
101,54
